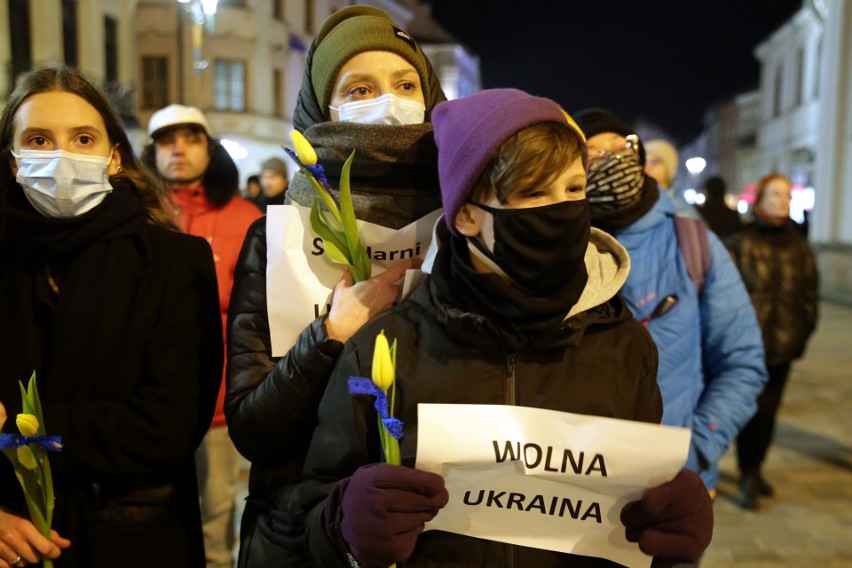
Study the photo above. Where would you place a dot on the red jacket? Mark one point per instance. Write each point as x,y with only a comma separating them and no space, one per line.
224,228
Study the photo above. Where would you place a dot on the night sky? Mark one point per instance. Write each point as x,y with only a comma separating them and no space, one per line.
657,62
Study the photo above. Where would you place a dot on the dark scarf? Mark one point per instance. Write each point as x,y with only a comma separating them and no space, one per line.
48,332
617,218
394,176
507,310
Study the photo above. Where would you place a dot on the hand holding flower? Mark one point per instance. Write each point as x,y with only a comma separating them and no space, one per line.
20,537
28,454
332,219
352,305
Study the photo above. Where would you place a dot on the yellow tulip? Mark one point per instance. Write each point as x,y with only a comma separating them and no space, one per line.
27,424
383,371
303,148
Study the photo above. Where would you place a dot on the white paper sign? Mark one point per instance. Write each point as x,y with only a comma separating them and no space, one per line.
542,478
300,278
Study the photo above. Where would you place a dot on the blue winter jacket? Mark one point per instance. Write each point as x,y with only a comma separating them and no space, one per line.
711,367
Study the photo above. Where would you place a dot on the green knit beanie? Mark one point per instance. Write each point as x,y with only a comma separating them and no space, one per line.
354,30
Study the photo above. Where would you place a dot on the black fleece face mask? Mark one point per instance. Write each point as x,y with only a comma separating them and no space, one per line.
542,248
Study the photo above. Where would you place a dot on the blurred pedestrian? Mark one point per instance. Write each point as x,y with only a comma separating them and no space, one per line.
252,192
116,313
661,162
521,308
368,87
709,377
273,182
721,219
203,181
779,270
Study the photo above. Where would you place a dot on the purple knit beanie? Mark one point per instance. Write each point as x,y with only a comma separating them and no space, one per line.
470,130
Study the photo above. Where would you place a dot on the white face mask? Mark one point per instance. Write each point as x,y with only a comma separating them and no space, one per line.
387,109
61,184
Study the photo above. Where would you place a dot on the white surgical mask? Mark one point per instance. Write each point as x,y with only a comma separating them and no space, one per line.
61,184
387,109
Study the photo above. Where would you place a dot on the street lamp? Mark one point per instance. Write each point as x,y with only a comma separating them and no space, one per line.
695,166
201,12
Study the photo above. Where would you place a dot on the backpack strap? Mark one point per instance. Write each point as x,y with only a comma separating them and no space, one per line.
695,248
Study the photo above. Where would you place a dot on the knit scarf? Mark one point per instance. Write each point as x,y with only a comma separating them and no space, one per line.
45,330
394,175
516,315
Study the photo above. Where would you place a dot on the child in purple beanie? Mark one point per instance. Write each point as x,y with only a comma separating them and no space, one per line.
521,307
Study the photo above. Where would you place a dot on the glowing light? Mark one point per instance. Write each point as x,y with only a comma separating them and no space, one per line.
700,199
742,206
689,195
235,149
696,165
209,6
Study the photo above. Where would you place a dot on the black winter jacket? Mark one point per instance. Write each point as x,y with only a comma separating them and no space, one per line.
779,271
135,408
599,362
271,410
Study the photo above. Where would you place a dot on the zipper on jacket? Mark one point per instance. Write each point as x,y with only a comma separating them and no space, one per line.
509,389
510,398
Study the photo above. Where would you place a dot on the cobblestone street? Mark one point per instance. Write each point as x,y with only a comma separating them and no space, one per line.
809,521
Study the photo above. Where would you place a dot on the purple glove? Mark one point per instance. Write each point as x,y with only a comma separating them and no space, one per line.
673,521
383,509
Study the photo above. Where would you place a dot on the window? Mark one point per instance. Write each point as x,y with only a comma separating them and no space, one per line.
818,67
69,32
800,75
309,16
278,9
19,34
230,85
776,97
278,92
110,49
155,82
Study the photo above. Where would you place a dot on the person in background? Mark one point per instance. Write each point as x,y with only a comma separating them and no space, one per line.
273,182
203,182
116,313
779,271
359,58
520,282
722,220
661,162
252,192
709,377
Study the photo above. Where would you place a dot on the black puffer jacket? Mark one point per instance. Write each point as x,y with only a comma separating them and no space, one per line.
600,362
271,403
271,410
779,271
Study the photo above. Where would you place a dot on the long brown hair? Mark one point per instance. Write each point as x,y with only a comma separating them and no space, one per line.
67,79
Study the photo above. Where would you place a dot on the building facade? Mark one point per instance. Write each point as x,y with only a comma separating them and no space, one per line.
242,65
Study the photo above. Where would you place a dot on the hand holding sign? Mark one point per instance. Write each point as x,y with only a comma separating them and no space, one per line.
384,508
673,520
352,305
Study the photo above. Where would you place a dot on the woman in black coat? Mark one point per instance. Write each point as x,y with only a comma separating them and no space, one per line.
271,402
779,271
117,314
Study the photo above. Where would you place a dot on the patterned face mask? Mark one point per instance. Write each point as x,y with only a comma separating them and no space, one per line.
615,182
